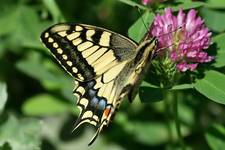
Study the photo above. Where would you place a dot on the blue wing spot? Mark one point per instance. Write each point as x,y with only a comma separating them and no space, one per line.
101,104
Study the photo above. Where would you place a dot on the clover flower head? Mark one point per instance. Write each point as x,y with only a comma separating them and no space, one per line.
184,36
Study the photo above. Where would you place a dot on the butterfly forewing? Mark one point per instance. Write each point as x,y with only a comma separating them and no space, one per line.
87,51
103,63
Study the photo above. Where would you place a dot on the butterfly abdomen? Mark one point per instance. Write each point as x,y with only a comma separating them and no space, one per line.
140,64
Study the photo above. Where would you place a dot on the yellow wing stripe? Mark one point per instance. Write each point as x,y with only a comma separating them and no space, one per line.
108,90
92,58
98,83
73,35
113,72
77,41
84,46
90,51
89,34
105,39
78,28
62,33
106,67
106,58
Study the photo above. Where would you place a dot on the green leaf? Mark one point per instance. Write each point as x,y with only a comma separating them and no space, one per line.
144,132
147,84
3,96
23,134
138,29
214,19
220,45
187,5
133,4
216,4
54,10
149,94
212,86
36,67
182,87
22,25
45,104
215,136
51,76
6,18
43,75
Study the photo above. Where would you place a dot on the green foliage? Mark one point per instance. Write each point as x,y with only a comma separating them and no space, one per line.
212,86
182,87
215,136
187,5
44,104
219,4
3,96
23,134
39,89
20,23
133,4
53,8
214,19
154,132
219,41
138,29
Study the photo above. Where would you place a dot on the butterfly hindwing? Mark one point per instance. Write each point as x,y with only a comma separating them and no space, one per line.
97,102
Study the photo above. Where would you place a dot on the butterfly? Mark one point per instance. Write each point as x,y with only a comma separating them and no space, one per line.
106,67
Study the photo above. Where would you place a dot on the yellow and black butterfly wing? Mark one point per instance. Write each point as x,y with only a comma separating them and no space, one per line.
87,51
97,102
97,58
100,97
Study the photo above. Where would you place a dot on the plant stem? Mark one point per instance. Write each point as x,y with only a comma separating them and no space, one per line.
177,123
167,115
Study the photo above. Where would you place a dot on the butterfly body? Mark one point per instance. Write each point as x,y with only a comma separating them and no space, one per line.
106,66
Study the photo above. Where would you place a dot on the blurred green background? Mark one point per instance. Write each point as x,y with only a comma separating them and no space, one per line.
37,108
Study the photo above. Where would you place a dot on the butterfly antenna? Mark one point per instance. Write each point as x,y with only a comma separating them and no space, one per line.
139,11
168,46
177,29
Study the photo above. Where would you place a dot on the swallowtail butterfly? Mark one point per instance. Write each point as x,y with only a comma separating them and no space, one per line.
106,67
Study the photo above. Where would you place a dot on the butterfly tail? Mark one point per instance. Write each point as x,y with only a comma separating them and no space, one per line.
99,129
78,123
